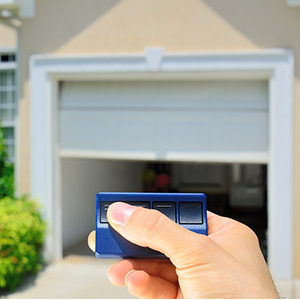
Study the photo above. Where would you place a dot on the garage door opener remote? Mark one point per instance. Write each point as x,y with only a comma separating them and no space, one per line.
187,210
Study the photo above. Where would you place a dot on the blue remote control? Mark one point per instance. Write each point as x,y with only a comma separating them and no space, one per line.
188,210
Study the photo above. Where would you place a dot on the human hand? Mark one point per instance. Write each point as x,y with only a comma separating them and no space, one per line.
227,263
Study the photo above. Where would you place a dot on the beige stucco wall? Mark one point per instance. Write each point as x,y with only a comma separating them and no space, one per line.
8,36
116,26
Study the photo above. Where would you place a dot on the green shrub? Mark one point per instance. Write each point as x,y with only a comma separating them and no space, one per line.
22,233
6,170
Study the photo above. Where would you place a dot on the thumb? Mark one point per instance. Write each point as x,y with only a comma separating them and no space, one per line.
150,228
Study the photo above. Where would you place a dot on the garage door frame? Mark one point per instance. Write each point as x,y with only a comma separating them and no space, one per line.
276,65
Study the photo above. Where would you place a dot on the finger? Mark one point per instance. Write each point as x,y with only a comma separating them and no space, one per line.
210,215
92,240
160,268
117,273
215,223
150,228
145,286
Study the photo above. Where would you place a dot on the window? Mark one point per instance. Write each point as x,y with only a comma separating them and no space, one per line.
7,57
8,100
9,134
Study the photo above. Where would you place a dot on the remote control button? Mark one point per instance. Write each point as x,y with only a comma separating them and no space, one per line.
106,204
103,213
144,204
190,213
167,208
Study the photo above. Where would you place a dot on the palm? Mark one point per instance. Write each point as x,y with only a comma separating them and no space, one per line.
226,263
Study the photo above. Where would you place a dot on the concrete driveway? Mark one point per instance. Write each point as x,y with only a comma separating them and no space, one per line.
75,277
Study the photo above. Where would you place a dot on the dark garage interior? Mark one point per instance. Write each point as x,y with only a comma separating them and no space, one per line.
238,191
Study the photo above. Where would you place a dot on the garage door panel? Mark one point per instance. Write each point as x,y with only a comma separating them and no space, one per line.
219,131
133,131
187,131
159,119
165,94
82,129
241,131
164,131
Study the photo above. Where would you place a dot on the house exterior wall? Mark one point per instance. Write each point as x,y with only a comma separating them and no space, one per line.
8,36
71,27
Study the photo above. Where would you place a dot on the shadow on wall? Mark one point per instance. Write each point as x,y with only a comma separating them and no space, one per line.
62,18
267,23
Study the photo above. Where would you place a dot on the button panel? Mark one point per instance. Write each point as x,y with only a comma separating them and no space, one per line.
167,208
190,213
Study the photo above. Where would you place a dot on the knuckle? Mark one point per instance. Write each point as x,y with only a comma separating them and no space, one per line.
152,225
247,233
252,235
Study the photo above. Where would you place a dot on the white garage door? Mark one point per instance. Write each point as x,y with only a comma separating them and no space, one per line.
165,120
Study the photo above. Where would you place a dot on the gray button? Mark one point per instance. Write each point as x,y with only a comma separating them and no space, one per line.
167,208
190,213
144,204
103,210
105,204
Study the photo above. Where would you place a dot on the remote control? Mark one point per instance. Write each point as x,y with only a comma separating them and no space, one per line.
187,210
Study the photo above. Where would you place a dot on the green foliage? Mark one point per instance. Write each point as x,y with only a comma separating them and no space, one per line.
6,170
22,233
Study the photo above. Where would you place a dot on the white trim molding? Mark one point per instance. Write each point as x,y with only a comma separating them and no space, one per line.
208,157
8,66
274,65
9,50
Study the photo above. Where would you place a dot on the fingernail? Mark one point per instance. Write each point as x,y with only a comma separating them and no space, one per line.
119,213
127,281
